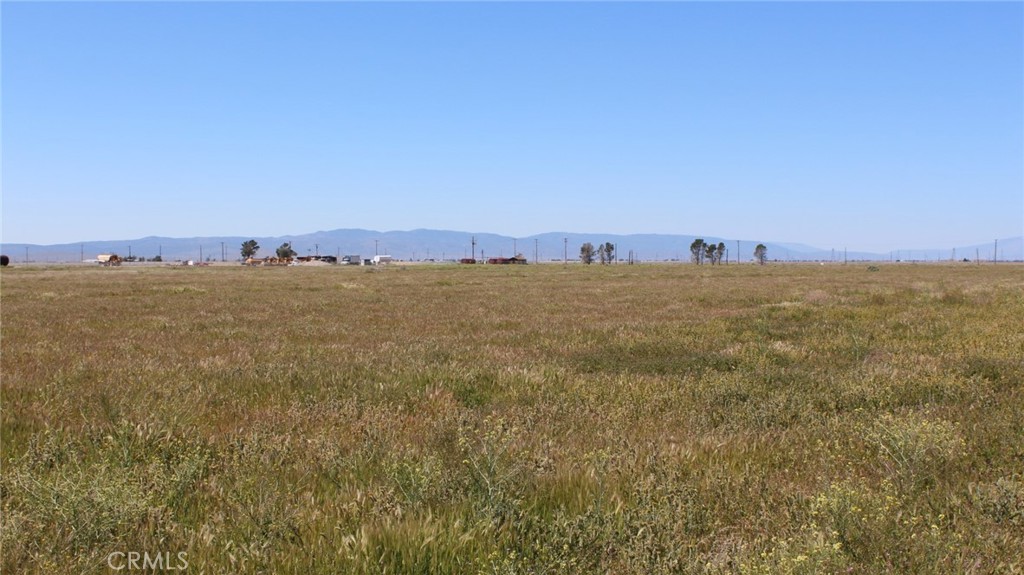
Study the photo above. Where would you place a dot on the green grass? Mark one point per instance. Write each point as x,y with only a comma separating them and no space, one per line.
537,419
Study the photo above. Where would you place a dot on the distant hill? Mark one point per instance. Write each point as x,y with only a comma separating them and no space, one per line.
444,244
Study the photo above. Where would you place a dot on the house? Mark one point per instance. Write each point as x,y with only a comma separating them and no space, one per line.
518,259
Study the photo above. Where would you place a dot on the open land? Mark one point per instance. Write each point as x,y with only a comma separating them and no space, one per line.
515,419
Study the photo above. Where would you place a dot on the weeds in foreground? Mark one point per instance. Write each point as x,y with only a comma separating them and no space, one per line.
783,419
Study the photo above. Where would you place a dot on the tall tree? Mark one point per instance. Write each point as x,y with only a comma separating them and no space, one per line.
761,253
286,251
606,252
587,253
697,251
249,249
709,253
719,252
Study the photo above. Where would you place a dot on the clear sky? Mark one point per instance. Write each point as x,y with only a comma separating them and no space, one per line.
872,126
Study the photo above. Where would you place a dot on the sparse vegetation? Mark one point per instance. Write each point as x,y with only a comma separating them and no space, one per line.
480,419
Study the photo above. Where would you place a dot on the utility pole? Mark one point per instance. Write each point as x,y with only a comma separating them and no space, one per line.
995,251
83,252
535,260
515,250
200,251
565,251
473,241
222,254
375,244
738,251
317,246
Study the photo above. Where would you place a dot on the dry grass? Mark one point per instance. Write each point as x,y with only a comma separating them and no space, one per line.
536,419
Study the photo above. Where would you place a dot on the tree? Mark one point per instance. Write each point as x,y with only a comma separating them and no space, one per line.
719,252
697,251
249,249
761,253
286,251
587,253
156,258
709,253
606,252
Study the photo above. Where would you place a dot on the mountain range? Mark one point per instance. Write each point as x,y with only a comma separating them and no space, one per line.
437,245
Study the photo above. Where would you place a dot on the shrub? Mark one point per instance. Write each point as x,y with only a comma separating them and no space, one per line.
913,449
1002,501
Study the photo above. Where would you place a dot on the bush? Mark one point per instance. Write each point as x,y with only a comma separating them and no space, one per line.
912,449
1002,501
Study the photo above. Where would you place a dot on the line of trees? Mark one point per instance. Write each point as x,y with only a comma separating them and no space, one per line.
250,248
700,252
605,253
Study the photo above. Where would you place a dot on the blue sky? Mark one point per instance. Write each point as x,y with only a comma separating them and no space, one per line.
871,126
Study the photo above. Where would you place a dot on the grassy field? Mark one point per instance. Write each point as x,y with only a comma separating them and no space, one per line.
529,419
